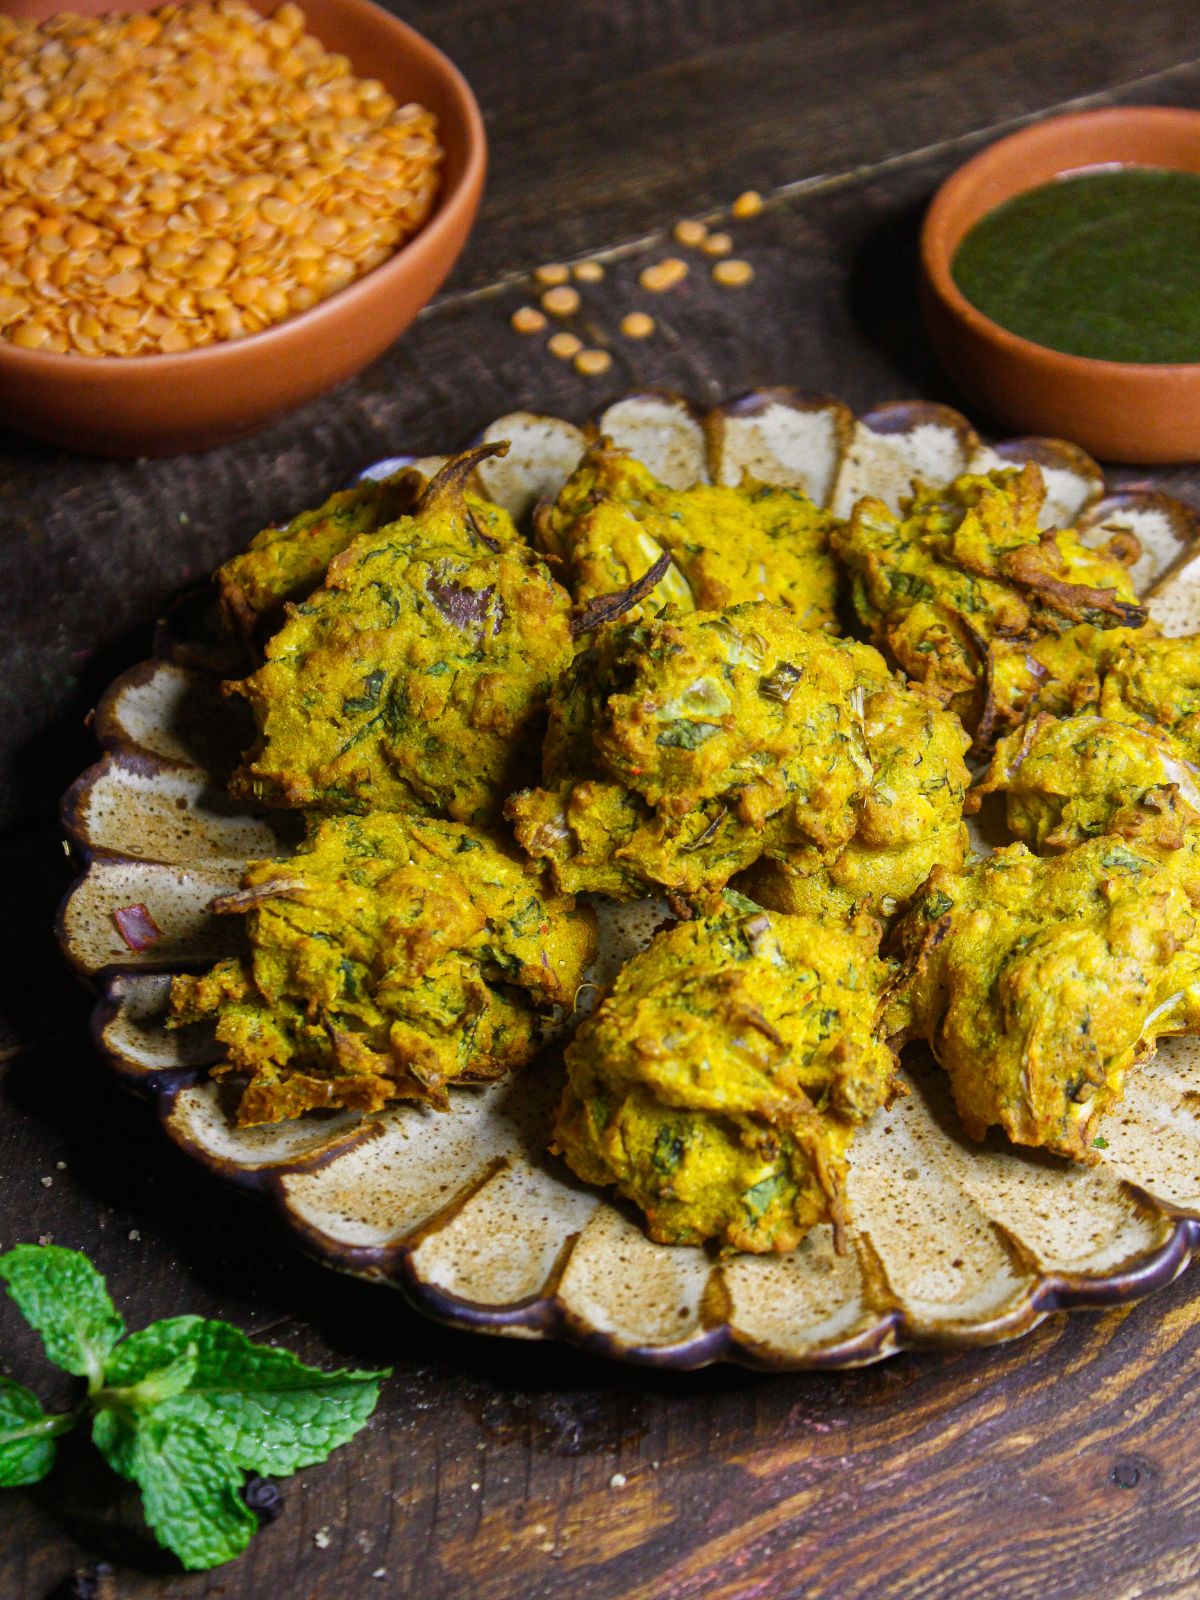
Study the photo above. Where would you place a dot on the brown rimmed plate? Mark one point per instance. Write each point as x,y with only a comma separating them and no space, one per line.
951,1243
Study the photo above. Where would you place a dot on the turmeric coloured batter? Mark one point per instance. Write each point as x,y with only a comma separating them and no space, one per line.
283,564
719,1084
1072,778
679,750
1157,681
612,520
414,678
964,573
392,956
1039,982
1126,761
1059,673
909,819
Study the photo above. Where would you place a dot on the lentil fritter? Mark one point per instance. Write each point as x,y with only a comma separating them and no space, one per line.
680,750
1157,681
720,1082
415,676
612,520
283,564
1125,761
1040,982
287,563
909,820
1071,778
963,574
391,956
1059,673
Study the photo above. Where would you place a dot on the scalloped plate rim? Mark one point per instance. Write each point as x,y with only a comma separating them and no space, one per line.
543,1315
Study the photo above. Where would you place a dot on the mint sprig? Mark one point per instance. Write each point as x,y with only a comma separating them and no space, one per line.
184,1408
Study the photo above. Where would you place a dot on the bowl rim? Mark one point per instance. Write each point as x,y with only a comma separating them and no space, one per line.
449,202
936,257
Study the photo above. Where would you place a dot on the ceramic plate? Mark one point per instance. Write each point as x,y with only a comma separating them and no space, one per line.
951,1243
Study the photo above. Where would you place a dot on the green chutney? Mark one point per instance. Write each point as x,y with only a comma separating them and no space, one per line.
1103,264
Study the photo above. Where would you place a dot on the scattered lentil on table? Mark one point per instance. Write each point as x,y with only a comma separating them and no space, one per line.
171,179
637,325
527,319
732,274
663,275
592,362
561,302
690,233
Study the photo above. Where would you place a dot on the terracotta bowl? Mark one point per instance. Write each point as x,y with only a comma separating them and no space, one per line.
158,405
1120,411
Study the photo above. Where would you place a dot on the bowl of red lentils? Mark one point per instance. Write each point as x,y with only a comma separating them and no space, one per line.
212,212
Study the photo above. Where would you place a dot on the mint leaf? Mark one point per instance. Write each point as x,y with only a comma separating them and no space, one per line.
26,1436
191,1492
158,1384
184,1409
263,1407
63,1296
151,1349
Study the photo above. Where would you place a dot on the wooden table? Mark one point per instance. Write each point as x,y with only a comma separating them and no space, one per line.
1065,1465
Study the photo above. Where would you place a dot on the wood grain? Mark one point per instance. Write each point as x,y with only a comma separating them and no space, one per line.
1079,1442
606,125
1065,1465
716,97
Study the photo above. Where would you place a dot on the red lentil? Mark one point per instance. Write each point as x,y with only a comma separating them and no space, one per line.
150,161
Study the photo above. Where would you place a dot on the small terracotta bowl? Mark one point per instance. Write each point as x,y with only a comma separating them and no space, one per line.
158,405
1120,411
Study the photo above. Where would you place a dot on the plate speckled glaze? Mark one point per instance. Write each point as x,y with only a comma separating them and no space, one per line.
951,1243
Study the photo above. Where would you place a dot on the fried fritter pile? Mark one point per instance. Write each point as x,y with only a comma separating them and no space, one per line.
719,1083
612,521
707,727
415,676
1039,982
962,588
682,749
391,956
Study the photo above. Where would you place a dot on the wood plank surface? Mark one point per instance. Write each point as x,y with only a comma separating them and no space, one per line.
1066,1465
608,120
